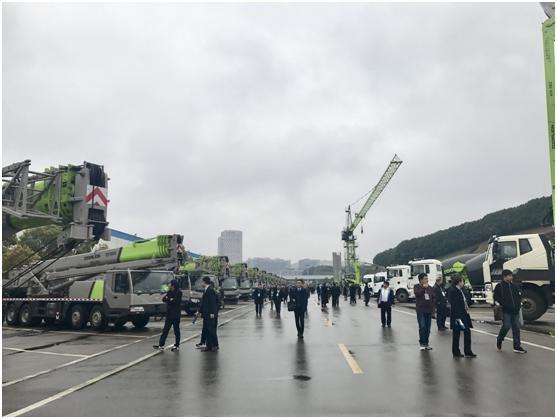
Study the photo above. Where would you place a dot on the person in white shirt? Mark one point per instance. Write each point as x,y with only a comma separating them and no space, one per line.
385,300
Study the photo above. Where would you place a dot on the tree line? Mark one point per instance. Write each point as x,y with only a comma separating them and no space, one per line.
435,245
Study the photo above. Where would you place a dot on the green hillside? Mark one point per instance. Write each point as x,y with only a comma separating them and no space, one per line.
469,234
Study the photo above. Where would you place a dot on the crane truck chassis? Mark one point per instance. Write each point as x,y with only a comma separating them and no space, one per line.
101,287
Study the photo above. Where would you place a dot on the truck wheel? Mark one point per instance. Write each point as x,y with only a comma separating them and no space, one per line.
98,318
402,296
533,305
26,318
119,324
78,317
12,315
190,311
140,322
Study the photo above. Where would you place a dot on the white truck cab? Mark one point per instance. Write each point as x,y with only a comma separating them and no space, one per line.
398,277
531,259
378,280
432,267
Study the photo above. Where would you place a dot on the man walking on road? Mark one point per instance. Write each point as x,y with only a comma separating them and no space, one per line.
367,294
173,300
352,294
345,291
425,304
440,303
208,308
508,295
258,298
460,319
385,300
324,296
277,299
300,298
335,293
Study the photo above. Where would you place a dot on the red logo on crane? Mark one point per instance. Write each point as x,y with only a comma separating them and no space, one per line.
96,196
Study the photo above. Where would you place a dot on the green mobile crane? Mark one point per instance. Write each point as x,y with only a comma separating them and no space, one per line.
113,285
351,263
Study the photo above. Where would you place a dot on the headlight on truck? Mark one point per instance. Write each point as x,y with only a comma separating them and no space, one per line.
137,309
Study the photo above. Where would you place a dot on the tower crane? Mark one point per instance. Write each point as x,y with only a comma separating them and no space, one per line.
351,264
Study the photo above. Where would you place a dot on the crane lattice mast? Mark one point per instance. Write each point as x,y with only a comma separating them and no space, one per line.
351,265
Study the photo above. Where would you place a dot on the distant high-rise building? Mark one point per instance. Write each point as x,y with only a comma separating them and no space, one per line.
230,244
337,266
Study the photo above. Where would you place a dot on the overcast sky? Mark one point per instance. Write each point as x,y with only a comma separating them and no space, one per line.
271,118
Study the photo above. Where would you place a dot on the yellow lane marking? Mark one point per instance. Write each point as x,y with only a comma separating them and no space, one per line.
350,359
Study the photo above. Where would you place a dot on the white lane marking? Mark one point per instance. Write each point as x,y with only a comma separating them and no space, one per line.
67,364
43,352
76,332
535,345
107,374
350,359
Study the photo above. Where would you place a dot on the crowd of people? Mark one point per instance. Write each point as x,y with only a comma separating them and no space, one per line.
453,302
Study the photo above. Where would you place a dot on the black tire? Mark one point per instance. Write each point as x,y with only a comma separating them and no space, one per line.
533,305
140,322
119,324
25,317
98,318
12,315
190,311
402,296
49,321
77,317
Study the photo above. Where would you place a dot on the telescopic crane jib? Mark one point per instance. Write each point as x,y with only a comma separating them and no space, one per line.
351,264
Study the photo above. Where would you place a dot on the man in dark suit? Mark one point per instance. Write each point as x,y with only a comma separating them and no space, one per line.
300,298
440,304
173,300
385,301
277,299
367,294
209,311
460,319
325,291
335,293
352,294
258,298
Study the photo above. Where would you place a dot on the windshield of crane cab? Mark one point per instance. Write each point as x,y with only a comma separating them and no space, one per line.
145,282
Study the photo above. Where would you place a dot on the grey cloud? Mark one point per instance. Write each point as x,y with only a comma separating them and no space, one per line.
271,118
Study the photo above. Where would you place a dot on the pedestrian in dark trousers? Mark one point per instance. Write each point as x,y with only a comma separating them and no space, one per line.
359,290
335,293
324,296
300,298
460,319
509,297
173,300
425,304
284,294
385,300
352,294
367,294
345,292
208,308
277,299
258,298
319,292
440,304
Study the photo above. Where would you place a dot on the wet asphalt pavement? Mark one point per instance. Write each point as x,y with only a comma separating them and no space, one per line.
347,365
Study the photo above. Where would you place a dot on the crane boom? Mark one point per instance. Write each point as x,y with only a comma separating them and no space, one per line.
352,267
383,182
